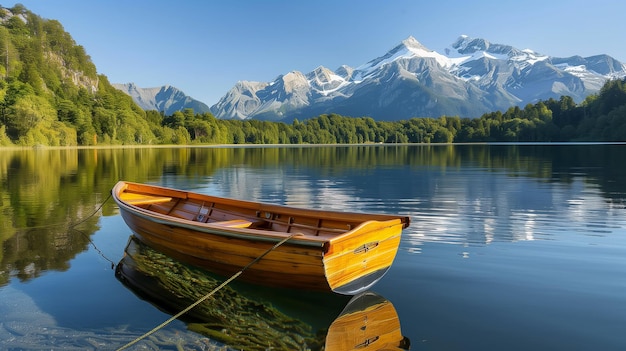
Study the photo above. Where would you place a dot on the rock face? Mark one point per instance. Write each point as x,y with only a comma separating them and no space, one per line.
471,77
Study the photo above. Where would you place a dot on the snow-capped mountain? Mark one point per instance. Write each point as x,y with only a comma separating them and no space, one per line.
166,99
471,77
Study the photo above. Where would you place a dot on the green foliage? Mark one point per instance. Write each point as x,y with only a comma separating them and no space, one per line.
4,138
51,94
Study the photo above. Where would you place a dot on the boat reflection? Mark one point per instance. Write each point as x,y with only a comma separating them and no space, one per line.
250,317
369,321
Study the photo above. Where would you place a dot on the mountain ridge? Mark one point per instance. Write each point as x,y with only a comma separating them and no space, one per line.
166,99
472,77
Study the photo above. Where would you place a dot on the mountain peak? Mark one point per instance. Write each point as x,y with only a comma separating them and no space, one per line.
409,48
412,43
466,45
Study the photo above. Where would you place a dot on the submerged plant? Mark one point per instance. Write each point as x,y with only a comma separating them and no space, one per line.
237,320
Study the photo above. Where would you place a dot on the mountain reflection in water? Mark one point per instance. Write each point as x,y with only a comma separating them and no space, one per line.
257,318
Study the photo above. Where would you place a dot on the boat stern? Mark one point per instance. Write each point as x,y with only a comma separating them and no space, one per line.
357,260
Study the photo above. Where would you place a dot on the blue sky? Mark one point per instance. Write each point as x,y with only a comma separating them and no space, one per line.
204,47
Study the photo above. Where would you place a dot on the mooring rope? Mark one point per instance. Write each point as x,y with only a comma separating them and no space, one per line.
203,298
73,226
93,214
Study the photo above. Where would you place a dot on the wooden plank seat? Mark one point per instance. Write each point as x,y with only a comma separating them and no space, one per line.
234,223
143,199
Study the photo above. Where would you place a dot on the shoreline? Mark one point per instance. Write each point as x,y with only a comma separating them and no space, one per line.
209,146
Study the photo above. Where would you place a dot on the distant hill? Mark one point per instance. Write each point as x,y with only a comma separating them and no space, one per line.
470,78
166,99
51,93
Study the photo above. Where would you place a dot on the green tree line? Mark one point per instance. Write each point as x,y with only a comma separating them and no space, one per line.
51,94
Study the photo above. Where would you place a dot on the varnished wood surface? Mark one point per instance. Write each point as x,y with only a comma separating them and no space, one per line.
331,249
368,322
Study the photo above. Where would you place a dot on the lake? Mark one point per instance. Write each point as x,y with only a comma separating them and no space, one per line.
511,247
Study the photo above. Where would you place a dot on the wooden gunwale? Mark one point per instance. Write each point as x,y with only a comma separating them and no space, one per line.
246,233
258,206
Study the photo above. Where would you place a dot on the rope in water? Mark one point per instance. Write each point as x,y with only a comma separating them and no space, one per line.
72,226
94,212
203,298
95,247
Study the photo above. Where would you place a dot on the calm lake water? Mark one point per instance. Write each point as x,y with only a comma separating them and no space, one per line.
511,247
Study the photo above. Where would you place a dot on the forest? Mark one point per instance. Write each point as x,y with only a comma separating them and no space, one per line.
52,95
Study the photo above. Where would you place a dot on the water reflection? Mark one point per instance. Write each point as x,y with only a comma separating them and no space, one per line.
255,318
29,253
492,208
368,321
459,194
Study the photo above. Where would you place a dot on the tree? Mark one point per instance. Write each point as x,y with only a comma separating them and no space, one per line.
175,121
612,96
27,112
199,130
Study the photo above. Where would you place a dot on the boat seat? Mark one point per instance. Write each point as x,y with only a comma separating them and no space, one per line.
142,199
234,223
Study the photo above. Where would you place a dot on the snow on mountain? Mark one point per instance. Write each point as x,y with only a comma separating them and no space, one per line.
325,82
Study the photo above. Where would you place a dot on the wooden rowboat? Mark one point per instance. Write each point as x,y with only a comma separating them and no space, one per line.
330,251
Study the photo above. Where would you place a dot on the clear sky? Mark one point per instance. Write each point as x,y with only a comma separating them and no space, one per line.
203,47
